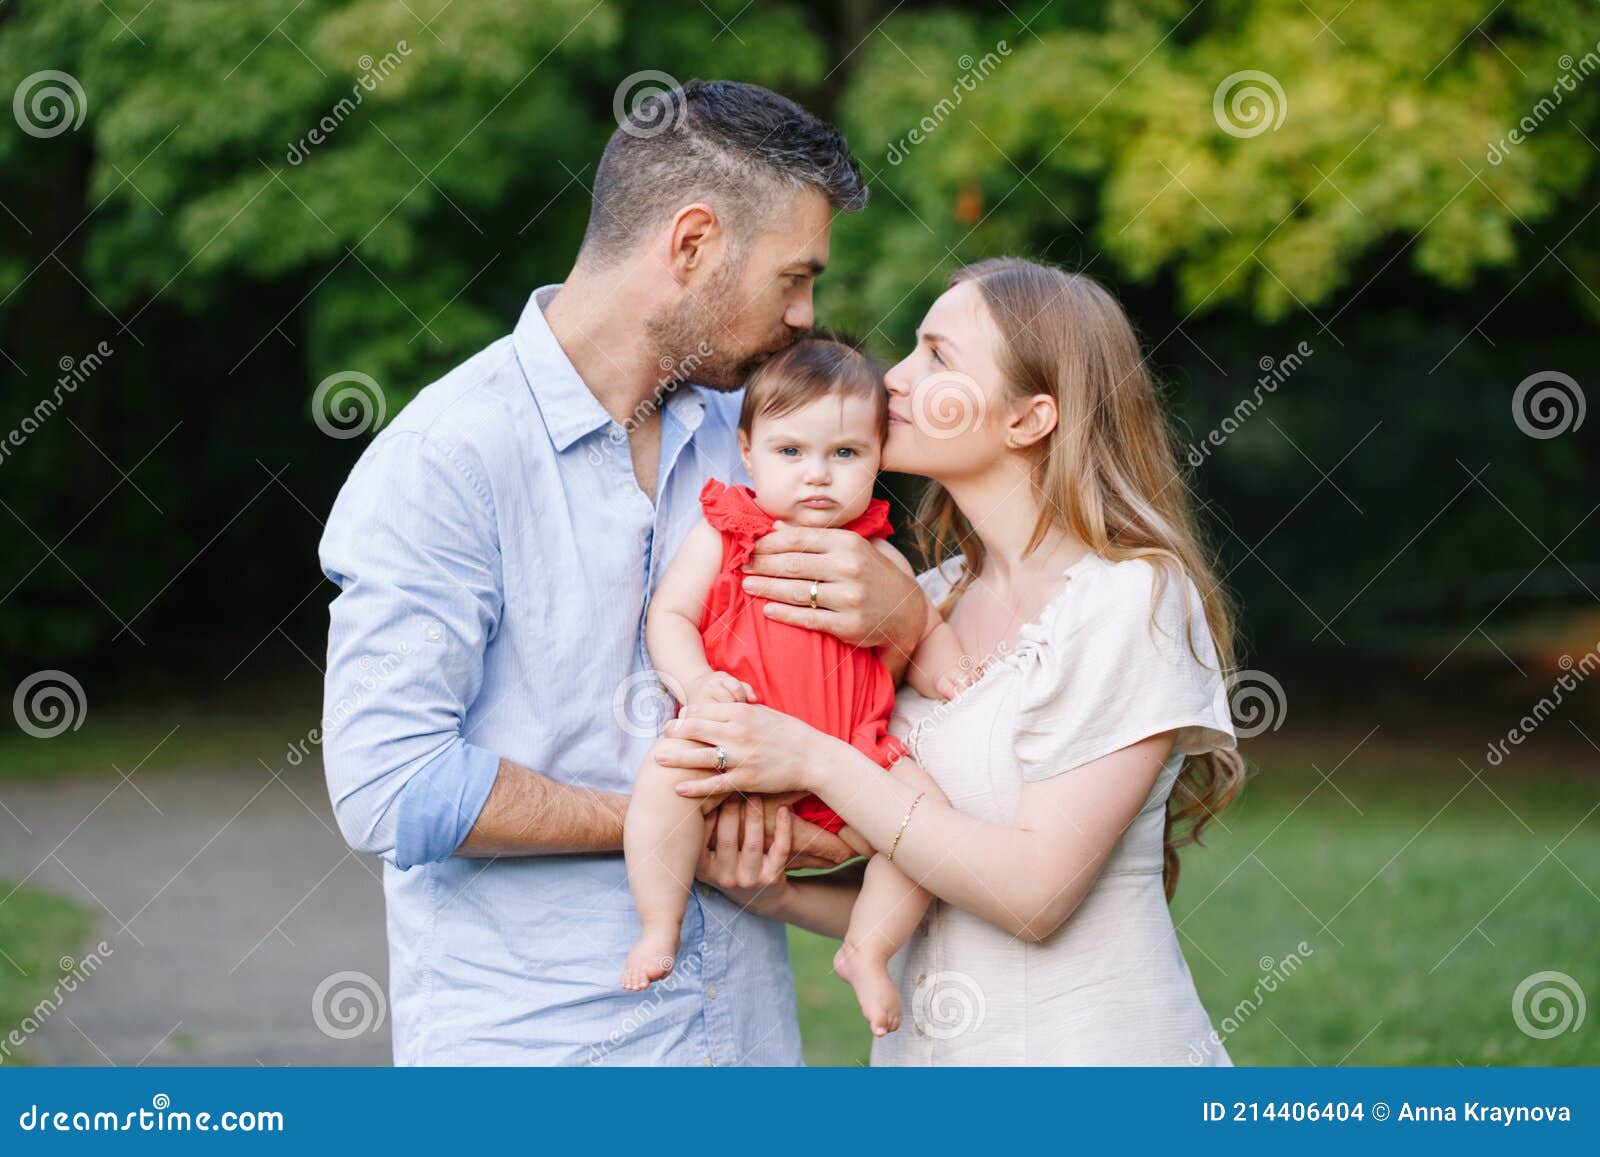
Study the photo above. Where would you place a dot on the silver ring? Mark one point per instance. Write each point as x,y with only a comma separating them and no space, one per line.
722,759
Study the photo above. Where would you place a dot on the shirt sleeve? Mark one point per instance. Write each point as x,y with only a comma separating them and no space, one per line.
1110,670
412,544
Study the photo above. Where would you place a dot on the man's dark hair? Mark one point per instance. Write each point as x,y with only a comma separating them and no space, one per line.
741,148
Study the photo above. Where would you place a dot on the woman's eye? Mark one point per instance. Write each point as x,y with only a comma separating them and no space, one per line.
933,352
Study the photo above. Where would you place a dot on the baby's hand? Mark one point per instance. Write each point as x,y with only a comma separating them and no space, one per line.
953,682
720,687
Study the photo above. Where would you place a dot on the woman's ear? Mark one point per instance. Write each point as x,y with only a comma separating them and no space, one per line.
1033,419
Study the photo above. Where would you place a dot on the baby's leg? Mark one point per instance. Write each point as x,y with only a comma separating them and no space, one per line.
661,839
885,915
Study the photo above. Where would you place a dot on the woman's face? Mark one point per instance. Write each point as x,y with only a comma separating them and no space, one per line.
948,405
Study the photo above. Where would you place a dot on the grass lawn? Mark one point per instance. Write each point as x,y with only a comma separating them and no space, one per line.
1425,900
1425,897
182,735
37,930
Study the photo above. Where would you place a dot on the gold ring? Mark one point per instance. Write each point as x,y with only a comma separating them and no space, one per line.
813,594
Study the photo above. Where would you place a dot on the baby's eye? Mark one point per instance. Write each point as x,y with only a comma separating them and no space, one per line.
789,451
846,451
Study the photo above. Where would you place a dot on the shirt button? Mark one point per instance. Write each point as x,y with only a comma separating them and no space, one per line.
706,1060
711,992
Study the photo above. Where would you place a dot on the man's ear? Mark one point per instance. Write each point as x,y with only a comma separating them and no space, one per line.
694,240
1031,421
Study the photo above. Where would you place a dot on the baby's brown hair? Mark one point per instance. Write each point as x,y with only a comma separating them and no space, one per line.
820,364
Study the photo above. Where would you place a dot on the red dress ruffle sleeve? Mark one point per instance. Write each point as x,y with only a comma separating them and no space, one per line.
843,690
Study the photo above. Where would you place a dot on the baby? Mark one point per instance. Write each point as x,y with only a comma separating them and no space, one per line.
811,434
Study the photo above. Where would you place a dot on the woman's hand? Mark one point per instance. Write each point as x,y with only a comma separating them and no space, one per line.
765,751
735,865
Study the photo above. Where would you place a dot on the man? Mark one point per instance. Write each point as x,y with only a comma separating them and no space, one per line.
496,545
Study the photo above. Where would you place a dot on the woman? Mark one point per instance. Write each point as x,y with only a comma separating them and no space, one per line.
1097,720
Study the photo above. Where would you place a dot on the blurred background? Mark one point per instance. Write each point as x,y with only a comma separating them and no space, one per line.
1362,247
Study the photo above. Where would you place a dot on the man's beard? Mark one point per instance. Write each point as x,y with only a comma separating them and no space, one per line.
689,339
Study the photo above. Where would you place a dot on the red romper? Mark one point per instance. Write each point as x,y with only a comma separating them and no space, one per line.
843,690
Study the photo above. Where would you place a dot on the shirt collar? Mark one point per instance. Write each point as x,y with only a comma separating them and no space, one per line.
569,408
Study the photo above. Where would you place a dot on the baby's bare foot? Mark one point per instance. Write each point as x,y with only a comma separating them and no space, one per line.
650,958
875,991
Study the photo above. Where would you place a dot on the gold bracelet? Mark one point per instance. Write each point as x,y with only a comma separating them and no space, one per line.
889,855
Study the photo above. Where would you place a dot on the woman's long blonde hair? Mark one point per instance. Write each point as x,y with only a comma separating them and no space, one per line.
1106,474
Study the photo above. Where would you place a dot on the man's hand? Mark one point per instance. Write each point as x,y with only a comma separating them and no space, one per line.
809,845
733,860
862,598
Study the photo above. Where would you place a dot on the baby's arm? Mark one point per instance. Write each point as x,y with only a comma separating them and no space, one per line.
672,624
937,667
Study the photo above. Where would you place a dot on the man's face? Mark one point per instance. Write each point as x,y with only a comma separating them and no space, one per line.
752,304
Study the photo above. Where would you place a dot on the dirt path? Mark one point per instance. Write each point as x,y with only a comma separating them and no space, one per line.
226,899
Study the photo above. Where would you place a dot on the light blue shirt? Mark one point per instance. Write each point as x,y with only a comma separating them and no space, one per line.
494,556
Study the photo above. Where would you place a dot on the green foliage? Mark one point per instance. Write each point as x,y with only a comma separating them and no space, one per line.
260,198
1105,138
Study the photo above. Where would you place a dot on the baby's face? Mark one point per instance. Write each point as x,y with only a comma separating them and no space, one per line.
815,466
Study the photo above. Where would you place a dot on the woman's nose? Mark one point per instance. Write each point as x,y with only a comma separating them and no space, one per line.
900,379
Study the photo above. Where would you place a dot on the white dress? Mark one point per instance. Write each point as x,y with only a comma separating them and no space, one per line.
1110,987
